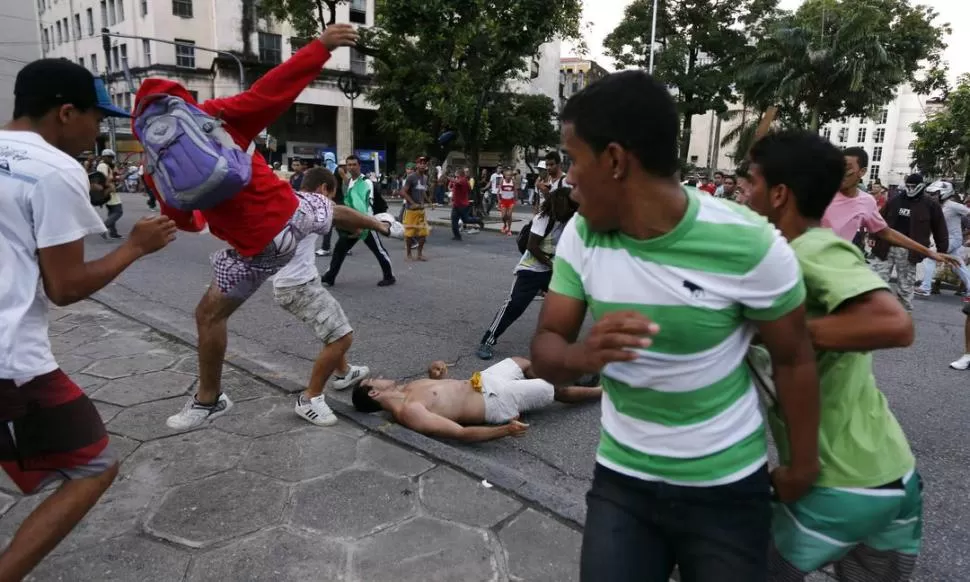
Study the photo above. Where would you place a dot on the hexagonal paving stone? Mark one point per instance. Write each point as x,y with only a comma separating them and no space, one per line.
277,554
217,508
540,548
115,345
144,388
391,458
123,446
301,454
451,495
186,457
56,328
261,417
87,383
71,363
240,386
107,411
426,549
5,502
333,505
130,558
190,365
146,422
79,336
114,368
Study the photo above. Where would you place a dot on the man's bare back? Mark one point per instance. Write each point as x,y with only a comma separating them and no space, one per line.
442,407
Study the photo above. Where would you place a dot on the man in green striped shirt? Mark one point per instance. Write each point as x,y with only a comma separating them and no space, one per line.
678,283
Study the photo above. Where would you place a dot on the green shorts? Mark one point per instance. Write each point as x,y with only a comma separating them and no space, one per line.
865,533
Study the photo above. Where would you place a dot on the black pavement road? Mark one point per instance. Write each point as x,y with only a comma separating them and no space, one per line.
439,310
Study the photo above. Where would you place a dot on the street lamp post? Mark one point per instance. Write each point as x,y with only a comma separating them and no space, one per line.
349,84
653,36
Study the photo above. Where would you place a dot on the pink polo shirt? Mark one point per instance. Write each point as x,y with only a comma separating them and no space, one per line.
845,215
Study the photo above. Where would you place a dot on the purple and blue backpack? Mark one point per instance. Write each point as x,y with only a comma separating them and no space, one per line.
192,159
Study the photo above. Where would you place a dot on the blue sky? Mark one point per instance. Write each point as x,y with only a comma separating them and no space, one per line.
604,15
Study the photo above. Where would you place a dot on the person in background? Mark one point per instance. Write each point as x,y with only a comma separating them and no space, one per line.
296,178
880,194
113,206
461,205
415,220
728,188
954,212
711,187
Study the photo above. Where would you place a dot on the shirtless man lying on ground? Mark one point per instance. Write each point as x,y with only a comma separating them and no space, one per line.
441,407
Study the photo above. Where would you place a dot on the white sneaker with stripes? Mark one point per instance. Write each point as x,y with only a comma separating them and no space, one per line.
315,411
353,377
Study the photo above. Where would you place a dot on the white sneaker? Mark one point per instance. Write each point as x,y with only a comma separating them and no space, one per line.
322,253
353,377
315,411
962,364
194,414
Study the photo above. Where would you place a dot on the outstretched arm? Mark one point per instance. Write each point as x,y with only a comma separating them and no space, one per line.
419,419
346,218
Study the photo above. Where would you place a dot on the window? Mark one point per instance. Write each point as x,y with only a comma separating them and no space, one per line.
874,172
296,44
880,135
270,48
94,63
146,49
104,13
358,11
877,154
861,136
90,16
195,96
77,26
182,8
185,53
47,40
124,57
111,12
144,7
115,59
128,101
67,31
827,132
80,61
121,10
843,134
40,6
358,61
883,116
60,33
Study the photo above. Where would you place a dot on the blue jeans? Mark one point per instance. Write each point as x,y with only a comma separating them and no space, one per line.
637,531
463,214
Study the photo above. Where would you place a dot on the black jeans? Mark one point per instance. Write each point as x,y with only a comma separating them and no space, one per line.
463,214
639,530
527,285
345,243
114,214
325,245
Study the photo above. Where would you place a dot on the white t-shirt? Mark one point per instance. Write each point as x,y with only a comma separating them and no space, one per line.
554,184
302,268
539,224
44,202
495,180
953,213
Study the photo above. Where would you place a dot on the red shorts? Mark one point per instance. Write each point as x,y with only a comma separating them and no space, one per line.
505,204
49,430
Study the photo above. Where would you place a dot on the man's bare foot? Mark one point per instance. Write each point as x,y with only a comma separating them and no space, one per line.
423,259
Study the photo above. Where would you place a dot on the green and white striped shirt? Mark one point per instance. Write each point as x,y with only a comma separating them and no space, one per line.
685,411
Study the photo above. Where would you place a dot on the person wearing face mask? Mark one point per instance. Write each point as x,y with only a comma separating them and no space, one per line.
915,216
953,213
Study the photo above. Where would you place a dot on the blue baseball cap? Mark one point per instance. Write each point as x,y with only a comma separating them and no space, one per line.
49,83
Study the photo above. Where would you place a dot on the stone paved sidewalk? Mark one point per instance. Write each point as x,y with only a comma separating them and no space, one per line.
261,495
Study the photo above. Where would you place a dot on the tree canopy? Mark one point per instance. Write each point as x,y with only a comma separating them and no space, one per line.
834,59
700,43
942,145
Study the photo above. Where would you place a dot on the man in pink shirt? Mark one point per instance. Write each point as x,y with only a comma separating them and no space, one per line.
853,210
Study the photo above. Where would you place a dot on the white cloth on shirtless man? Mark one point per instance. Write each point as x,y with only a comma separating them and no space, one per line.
508,393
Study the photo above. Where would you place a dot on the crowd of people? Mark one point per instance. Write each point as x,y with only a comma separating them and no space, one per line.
706,311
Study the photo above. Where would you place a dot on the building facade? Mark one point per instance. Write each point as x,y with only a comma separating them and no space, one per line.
322,119
21,44
576,74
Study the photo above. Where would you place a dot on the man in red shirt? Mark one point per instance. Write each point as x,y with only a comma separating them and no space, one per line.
263,222
460,205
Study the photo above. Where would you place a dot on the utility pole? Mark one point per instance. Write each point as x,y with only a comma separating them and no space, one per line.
653,36
106,45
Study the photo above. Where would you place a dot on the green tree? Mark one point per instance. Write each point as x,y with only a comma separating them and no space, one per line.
522,121
942,144
843,58
700,43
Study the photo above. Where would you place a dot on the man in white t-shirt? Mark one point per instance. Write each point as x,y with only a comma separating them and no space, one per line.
493,185
298,290
49,430
555,179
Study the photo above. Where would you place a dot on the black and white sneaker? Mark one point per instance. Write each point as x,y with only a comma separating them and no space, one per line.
194,413
353,377
315,411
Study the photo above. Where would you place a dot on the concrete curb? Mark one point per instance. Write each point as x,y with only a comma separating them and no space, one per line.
513,481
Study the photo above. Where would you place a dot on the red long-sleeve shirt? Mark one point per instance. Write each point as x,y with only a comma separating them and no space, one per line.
249,220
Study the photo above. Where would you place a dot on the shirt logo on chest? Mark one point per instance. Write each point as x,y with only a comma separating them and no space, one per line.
904,212
694,289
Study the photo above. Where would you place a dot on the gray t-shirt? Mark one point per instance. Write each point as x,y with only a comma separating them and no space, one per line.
416,186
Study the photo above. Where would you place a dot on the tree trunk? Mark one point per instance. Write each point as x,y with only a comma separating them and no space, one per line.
814,122
685,139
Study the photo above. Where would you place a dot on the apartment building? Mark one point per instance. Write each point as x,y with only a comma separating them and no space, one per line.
20,45
576,74
321,120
